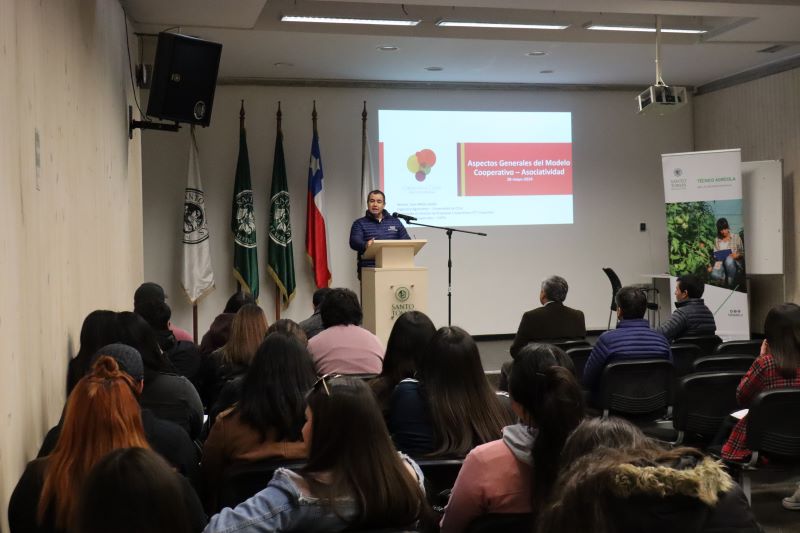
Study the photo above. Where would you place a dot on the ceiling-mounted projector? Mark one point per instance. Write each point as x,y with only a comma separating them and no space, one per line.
661,99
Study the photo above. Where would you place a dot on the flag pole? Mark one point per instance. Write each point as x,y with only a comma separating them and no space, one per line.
278,115
363,139
194,322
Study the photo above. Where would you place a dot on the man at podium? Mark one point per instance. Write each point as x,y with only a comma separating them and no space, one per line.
378,224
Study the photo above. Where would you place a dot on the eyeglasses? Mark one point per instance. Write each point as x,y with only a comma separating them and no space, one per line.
324,382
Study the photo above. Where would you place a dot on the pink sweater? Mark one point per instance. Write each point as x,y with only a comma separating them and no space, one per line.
492,480
346,350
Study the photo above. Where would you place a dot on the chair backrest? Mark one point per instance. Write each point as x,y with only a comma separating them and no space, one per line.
569,344
636,386
702,401
616,285
440,474
707,343
773,424
579,357
506,522
683,358
748,347
243,480
722,363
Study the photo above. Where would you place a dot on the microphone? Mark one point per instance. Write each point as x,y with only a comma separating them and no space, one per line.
407,218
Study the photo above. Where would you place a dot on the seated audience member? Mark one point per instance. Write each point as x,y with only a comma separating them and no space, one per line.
290,328
411,333
616,480
313,324
552,321
168,395
450,409
166,438
98,329
777,367
182,354
354,478
267,420
344,347
516,473
633,338
101,415
153,292
691,316
132,490
232,360
220,329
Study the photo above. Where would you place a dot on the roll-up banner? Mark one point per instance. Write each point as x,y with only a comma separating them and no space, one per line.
706,234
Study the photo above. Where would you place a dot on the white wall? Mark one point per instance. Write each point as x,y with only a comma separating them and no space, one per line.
617,184
762,117
70,204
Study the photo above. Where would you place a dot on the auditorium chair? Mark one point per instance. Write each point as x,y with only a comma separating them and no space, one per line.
616,285
642,391
683,358
579,357
723,363
707,343
747,347
773,430
440,475
243,480
569,344
702,402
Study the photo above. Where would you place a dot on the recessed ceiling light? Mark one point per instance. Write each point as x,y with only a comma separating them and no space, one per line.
643,29
338,20
546,71
536,53
280,64
513,26
387,48
434,69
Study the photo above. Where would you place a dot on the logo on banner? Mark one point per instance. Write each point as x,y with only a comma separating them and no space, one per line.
420,163
245,231
194,217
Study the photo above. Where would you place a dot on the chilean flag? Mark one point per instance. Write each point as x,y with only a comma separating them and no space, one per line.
316,240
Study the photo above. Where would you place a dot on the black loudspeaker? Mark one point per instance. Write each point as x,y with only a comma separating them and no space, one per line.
184,79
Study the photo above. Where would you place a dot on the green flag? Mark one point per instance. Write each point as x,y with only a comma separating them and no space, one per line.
280,257
243,219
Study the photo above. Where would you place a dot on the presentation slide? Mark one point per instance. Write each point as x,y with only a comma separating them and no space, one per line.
477,168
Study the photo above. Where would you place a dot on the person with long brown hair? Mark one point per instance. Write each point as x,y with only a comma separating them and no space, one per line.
777,367
101,415
616,480
516,473
248,329
354,478
451,408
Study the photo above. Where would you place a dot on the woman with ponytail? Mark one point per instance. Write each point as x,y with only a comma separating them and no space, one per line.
102,414
516,473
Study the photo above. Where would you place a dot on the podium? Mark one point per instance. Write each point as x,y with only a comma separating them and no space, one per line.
393,286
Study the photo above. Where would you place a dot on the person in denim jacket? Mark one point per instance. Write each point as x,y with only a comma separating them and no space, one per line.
353,478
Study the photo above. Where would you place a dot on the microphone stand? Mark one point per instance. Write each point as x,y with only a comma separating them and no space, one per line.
449,232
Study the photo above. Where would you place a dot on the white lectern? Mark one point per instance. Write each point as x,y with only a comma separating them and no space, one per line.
393,286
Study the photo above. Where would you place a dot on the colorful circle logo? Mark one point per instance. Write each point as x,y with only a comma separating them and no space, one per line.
420,163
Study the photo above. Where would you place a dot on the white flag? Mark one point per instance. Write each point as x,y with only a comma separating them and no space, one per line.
197,276
367,177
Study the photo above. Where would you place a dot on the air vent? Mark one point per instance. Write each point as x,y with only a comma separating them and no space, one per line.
772,49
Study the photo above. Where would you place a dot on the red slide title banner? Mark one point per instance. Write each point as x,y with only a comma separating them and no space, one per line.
514,169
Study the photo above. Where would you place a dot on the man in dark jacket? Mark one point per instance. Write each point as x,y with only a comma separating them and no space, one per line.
552,321
633,338
376,223
691,316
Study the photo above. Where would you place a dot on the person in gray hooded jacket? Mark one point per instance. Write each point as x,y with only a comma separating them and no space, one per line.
516,473
691,316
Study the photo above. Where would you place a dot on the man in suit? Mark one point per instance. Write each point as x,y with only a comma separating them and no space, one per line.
553,321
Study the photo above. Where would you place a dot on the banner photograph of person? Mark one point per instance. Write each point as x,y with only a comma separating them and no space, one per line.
707,239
